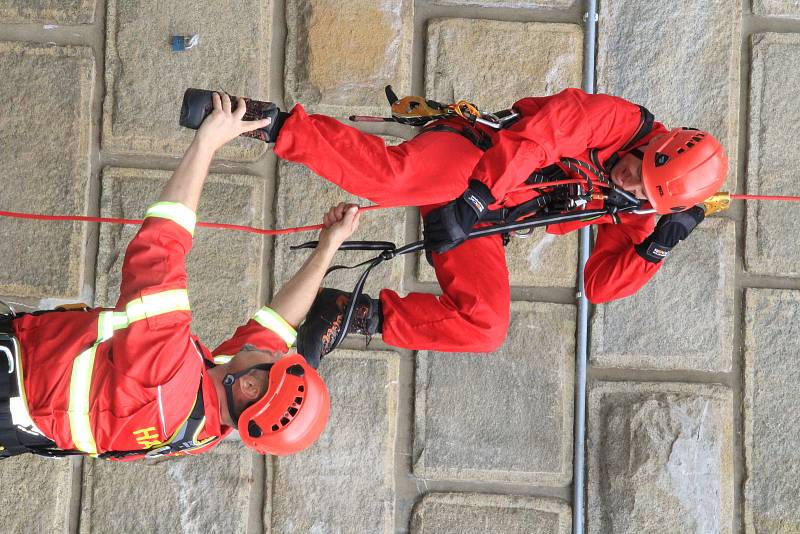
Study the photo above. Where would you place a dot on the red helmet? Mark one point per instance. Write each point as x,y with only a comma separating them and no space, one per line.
293,412
682,169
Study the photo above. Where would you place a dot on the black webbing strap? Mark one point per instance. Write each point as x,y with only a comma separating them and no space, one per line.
14,440
184,437
8,388
551,173
645,127
471,133
9,439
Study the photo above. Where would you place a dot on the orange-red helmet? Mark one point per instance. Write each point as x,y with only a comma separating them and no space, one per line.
293,412
682,169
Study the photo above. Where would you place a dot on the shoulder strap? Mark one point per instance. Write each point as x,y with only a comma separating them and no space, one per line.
476,137
645,127
183,440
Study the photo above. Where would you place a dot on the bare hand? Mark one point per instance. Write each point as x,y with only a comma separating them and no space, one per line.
223,124
340,222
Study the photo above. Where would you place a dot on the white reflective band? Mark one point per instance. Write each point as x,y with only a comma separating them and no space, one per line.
155,304
222,358
271,320
81,380
175,212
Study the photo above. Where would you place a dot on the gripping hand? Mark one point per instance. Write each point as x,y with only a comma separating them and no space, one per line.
448,226
670,230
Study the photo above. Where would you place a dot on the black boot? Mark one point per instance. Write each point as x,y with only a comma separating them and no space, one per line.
316,335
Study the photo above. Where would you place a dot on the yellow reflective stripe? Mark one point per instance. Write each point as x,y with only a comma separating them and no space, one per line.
81,380
80,386
175,212
222,359
271,320
155,304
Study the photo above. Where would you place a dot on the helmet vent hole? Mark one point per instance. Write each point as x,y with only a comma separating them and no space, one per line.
298,400
301,389
275,428
689,144
253,429
681,150
284,421
661,159
292,410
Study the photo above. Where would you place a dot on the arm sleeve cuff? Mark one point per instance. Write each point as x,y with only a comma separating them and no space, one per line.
175,212
270,320
651,251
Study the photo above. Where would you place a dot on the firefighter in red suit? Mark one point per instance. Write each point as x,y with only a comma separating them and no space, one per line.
132,381
456,172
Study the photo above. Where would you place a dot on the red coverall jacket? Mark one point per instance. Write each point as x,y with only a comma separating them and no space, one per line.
126,378
435,167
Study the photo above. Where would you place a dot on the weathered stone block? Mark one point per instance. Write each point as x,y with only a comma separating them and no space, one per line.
520,427
660,458
145,80
777,8
171,495
455,513
341,53
542,260
44,147
770,410
53,11
508,3
683,317
224,266
773,155
538,59
303,198
680,61
36,494
345,481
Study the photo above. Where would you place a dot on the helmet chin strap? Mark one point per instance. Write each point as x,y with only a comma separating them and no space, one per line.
228,382
637,152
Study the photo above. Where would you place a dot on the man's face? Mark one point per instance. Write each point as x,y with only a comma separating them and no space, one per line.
253,385
627,174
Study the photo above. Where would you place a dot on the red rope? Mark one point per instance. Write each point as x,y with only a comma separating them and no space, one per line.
283,231
115,220
764,197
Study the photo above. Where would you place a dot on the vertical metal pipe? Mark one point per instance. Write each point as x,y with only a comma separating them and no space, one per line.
585,237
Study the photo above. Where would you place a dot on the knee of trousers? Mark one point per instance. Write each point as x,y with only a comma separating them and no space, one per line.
490,326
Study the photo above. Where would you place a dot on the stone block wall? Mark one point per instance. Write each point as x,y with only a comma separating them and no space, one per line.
692,401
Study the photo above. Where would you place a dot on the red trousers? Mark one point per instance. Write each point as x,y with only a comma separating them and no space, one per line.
433,168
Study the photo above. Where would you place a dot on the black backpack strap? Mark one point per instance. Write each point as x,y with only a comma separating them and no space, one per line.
475,136
645,127
183,440
10,444
551,173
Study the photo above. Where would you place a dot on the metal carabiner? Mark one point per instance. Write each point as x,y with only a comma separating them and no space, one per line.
519,234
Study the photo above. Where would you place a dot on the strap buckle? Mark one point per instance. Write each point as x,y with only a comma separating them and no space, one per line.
160,451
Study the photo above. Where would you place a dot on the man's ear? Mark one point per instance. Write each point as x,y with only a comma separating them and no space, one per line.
250,385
